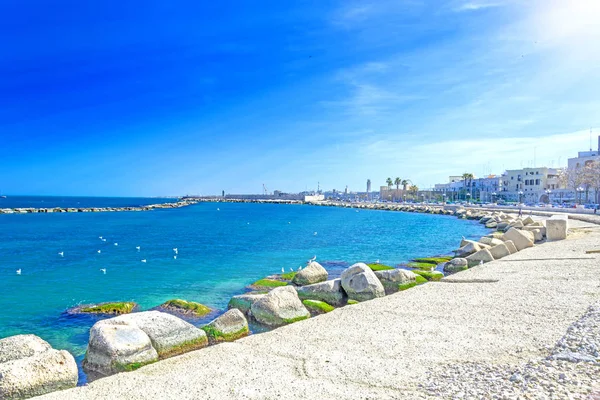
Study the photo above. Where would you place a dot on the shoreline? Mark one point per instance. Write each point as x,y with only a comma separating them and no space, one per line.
503,316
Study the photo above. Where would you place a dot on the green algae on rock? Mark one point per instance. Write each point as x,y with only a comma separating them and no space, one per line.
185,307
228,327
352,301
267,284
419,279
433,260
379,267
317,306
430,275
114,308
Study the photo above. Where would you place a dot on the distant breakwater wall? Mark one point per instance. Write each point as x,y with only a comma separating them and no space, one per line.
150,207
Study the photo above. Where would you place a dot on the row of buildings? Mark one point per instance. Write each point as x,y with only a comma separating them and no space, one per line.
527,185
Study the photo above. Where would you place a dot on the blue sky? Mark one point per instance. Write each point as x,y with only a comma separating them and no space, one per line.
152,98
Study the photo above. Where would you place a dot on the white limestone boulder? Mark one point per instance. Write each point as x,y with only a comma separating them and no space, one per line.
280,306
228,327
395,280
116,347
21,346
521,239
482,255
312,273
500,251
330,292
511,246
41,373
169,335
360,283
243,302
456,265
557,227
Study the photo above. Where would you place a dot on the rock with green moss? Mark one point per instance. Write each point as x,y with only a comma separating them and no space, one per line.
360,283
420,265
430,275
184,307
312,273
352,301
330,292
288,276
317,307
420,280
243,302
280,306
266,284
110,308
456,265
379,267
396,280
228,327
433,260
116,347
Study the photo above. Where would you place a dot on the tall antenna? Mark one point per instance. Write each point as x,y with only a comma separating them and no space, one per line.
590,139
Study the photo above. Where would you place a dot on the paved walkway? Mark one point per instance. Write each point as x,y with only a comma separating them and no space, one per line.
382,349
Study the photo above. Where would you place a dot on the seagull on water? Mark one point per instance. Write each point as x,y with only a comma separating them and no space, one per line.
62,254
282,270
138,248
116,244
103,270
218,209
100,237
104,240
174,257
315,233
144,260
99,251
175,250
19,271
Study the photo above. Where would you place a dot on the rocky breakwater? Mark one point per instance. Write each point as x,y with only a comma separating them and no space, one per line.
178,204
30,367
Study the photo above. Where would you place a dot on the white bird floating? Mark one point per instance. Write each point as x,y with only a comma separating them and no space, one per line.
100,237
103,270
282,270
99,251
104,240
175,250
138,248
218,209
312,259
144,260
116,244
289,222
315,233
174,257
19,271
62,254
377,262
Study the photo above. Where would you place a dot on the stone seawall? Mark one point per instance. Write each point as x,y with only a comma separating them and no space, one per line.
150,207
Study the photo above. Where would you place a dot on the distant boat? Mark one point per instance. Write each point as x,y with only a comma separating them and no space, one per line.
2,196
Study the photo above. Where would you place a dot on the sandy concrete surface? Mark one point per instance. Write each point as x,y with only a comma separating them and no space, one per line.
507,311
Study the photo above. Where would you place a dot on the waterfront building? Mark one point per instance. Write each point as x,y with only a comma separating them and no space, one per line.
585,158
534,185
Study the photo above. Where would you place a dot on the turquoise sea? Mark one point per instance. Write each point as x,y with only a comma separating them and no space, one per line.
221,249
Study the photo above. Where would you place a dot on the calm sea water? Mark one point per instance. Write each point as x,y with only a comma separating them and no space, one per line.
222,248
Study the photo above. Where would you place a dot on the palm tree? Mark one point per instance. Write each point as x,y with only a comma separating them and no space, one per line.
413,189
405,183
397,182
389,182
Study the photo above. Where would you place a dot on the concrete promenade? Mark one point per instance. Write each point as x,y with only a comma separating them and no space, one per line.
505,312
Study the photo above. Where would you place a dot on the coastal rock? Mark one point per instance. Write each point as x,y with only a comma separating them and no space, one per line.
468,249
557,227
502,226
243,302
41,373
516,224
330,292
528,221
499,251
228,327
519,238
491,224
394,280
360,283
21,346
115,346
511,246
184,308
482,255
313,273
490,241
280,306
317,307
533,228
169,335
456,265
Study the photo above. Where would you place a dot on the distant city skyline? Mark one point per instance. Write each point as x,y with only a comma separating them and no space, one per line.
152,99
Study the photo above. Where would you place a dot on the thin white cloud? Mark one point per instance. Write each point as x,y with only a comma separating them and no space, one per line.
477,5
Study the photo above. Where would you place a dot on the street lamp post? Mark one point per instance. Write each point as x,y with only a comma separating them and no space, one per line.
520,196
422,198
444,196
548,191
468,197
579,193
